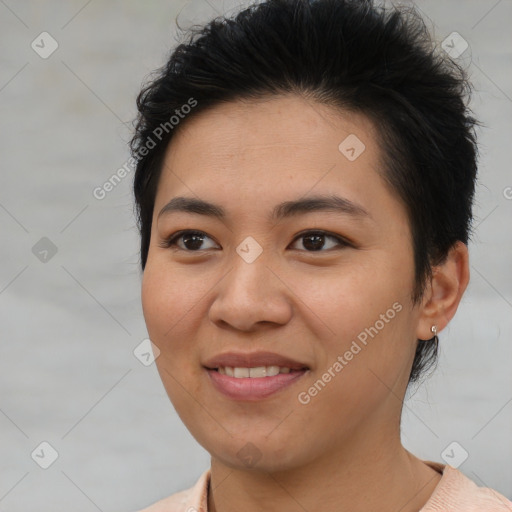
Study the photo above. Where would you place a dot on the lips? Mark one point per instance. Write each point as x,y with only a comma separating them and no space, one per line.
252,377
254,360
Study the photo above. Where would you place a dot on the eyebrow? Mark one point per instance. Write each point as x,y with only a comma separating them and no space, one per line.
283,210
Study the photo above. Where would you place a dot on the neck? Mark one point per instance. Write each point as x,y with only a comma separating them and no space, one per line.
360,476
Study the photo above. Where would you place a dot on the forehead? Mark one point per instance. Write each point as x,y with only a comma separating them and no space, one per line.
242,126
260,152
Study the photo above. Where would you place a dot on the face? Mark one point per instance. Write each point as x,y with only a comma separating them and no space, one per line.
274,278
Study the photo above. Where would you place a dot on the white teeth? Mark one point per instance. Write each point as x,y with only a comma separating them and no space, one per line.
260,371
272,370
240,373
256,372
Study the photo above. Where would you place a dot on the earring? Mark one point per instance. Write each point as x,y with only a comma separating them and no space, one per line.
434,332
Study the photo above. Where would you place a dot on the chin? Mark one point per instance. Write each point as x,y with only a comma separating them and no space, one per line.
264,463
258,454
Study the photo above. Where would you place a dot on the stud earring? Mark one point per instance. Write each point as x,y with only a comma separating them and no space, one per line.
434,332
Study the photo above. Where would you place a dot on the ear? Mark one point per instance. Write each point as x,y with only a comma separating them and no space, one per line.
443,295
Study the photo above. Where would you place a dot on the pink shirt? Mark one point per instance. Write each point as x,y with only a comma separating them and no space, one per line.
454,493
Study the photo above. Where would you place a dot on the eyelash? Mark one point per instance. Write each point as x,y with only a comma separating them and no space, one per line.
171,242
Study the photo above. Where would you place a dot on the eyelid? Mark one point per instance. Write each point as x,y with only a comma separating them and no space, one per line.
170,242
343,241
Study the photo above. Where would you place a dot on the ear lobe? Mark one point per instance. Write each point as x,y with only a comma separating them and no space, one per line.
448,284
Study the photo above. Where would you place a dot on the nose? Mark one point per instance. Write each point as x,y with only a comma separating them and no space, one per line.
251,295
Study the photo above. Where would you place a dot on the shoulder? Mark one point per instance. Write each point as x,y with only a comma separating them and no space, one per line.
190,500
455,492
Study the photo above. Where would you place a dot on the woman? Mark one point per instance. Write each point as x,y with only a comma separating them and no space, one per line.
304,184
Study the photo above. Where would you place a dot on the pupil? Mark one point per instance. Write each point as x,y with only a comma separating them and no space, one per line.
194,241
197,240
317,244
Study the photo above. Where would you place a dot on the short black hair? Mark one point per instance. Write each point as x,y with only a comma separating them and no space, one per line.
350,54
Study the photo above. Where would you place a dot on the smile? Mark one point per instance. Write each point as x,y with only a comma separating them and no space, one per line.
255,372
249,384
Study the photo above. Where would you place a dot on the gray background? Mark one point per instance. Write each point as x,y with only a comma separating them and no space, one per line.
69,325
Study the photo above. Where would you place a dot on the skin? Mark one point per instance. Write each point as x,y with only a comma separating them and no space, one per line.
341,451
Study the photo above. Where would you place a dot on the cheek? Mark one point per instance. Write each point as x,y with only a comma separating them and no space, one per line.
169,295
157,304
169,316
168,304
368,322
352,297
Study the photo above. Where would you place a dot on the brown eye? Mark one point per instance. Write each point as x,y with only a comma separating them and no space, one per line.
191,241
315,241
